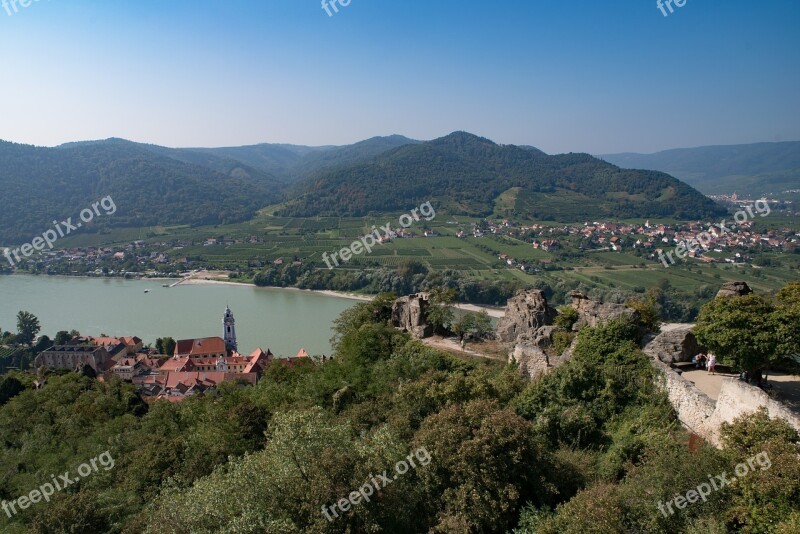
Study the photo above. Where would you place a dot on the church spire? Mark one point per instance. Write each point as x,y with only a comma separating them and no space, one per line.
229,329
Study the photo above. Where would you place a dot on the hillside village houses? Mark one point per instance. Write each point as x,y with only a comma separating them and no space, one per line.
196,365
730,246
170,258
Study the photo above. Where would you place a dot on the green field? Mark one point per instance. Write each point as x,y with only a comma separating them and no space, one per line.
267,238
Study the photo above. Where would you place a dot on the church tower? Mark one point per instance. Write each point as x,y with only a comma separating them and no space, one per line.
229,328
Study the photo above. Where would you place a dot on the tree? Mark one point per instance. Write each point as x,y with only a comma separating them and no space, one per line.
463,325
169,346
567,316
649,316
479,325
62,337
28,327
10,387
483,325
165,345
379,310
440,308
788,318
88,371
741,330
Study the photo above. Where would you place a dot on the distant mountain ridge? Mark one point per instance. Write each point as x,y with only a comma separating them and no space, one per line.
467,174
292,162
753,169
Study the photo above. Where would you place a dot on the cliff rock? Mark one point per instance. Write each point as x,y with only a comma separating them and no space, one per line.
593,313
676,343
734,289
533,361
525,314
410,314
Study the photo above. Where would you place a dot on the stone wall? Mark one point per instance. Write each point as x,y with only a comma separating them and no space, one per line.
703,416
694,408
738,398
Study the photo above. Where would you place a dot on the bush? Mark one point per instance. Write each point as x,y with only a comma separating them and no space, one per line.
567,317
562,341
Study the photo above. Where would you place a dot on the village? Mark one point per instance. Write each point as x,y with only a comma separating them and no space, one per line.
734,245
140,258
194,367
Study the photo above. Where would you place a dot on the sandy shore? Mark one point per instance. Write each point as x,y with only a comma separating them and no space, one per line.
497,313
209,281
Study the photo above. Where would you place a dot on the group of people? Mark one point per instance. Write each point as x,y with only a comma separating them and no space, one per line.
706,361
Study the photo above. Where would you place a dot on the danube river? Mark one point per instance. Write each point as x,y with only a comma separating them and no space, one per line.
282,320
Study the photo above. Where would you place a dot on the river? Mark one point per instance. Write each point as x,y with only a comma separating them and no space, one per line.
282,320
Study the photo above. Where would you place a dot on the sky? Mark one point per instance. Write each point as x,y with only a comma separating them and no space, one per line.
597,76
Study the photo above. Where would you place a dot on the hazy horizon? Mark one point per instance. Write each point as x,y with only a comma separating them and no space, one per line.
590,76
331,145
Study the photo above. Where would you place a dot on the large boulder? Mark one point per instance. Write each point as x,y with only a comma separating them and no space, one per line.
593,313
525,314
734,289
410,314
676,343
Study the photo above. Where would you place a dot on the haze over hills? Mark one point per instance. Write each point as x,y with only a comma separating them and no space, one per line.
291,162
467,174
754,170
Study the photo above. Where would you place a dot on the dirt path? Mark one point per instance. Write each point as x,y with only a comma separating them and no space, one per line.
452,345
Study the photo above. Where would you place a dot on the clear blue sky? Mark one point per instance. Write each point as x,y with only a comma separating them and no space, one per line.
591,76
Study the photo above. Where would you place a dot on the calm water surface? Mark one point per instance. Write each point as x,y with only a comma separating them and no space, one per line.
279,319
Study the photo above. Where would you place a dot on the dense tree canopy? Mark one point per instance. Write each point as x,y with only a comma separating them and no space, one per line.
593,446
752,331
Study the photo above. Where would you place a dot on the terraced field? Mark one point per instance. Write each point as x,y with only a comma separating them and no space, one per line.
266,238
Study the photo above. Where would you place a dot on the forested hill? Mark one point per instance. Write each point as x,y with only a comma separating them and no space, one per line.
468,174
154,185
293,162
43,184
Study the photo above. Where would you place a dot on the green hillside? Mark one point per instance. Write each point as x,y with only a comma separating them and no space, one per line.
467,174
44,184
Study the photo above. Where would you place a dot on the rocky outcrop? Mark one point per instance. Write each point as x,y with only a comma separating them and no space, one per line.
533,361
525,314
593,313
536,356
676,343
734,289
410,314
